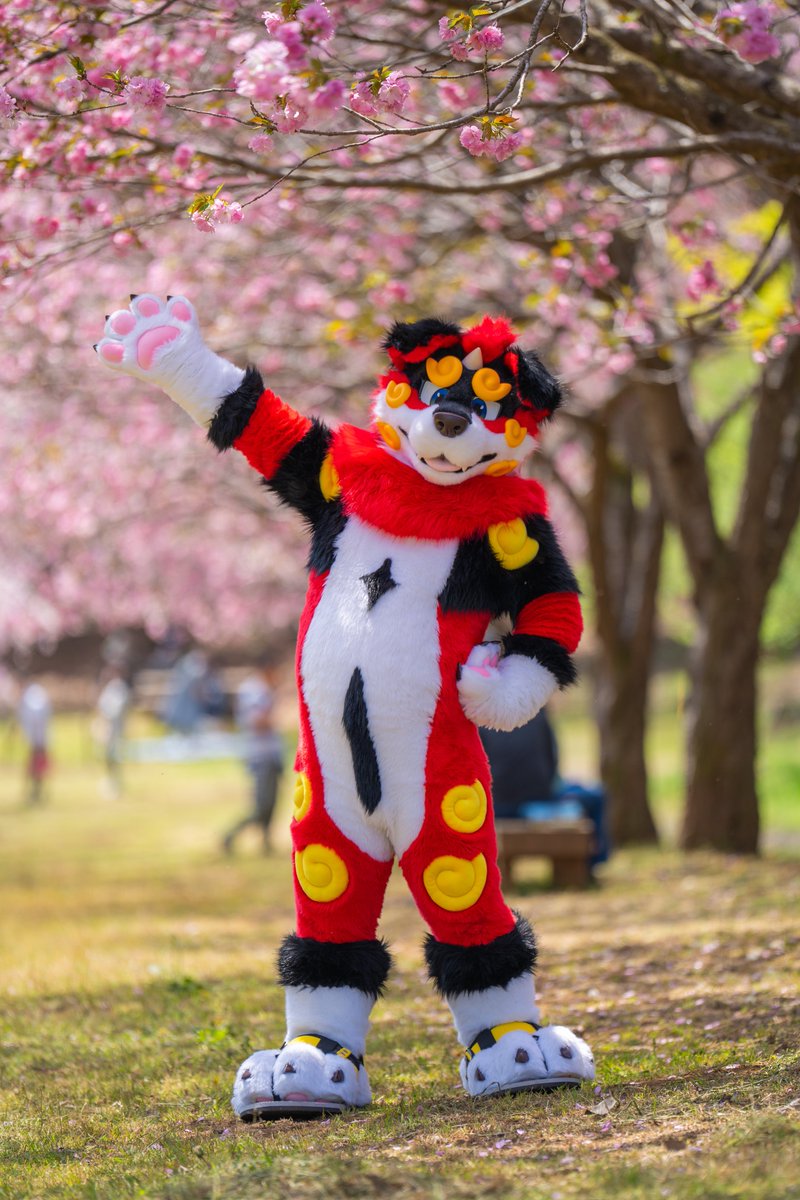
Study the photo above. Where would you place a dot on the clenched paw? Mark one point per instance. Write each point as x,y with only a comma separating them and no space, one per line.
150,339
252,1086
304,1072
518,1061
503,692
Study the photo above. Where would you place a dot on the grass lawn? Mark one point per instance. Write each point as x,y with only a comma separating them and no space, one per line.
137,970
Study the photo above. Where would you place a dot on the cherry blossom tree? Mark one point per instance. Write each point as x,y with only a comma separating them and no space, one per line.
620,178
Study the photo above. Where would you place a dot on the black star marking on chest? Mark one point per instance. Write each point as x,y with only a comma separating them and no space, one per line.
379,582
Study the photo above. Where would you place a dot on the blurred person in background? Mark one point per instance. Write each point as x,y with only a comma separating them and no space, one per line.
196,694
34,713
263,750
113,705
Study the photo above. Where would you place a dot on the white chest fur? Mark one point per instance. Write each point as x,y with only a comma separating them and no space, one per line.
378,613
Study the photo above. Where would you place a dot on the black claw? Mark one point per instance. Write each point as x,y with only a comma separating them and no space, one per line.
94,347
108,316
134,295
170,297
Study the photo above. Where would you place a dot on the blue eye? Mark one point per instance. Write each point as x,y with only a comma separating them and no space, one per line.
479,407
439,395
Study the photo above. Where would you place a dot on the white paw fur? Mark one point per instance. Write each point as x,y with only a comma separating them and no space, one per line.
503,693
161,343
303,1072
253,1082
519,1060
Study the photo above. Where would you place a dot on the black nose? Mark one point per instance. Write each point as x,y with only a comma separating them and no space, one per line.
450,424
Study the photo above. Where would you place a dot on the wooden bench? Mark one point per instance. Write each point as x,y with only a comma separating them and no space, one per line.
567,843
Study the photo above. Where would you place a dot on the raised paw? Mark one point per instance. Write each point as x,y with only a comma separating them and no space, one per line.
151,339
305,1072
550,1057
252,1087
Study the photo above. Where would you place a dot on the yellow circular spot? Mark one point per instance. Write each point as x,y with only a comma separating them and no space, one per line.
487,386
329,483
502,467
389,435
515,433
321,873
301,801
464,807
511,545
397,393
455,883
444,372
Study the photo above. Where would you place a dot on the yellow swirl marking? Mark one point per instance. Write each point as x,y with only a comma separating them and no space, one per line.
444,372
502,467
301,801
515,433
389,435
455,883
321,873
397,393
329,483
464,807
511,545
487,386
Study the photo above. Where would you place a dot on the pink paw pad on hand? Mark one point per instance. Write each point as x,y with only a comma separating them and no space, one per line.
150,341
135,335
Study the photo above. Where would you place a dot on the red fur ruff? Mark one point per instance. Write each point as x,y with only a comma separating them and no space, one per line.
390,494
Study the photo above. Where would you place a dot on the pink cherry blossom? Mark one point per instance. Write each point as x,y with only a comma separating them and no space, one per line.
489,38
8,105
393,93
260,144
143,94
702,281
317,21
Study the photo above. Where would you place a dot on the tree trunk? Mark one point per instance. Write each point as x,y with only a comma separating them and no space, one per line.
621,707
625,540
722,801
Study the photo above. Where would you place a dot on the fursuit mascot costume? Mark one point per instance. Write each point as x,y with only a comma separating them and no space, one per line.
423,535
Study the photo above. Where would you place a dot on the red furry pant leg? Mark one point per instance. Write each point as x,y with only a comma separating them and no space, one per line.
451,867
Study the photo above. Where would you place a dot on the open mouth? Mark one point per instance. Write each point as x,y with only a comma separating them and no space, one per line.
443,464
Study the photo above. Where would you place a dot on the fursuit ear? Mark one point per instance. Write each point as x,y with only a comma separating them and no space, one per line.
404,337
537,387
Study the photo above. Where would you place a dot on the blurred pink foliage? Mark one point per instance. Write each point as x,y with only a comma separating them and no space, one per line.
351,173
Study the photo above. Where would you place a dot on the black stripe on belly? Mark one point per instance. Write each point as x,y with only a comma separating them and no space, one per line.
365,760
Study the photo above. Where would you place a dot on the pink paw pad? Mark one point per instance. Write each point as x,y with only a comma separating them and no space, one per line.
181,311
111,352
147,307
151,341
123,322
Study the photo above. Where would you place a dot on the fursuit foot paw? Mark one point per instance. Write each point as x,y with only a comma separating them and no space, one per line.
525,1057
310,1076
